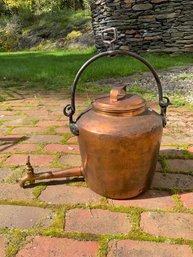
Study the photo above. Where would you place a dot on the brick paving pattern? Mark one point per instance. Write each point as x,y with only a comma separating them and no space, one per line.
64,217
59,247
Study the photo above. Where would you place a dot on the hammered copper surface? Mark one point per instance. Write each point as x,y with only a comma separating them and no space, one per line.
119,153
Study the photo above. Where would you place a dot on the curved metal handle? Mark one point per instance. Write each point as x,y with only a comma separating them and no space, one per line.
69,110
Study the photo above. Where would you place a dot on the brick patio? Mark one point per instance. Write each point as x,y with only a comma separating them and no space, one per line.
64,217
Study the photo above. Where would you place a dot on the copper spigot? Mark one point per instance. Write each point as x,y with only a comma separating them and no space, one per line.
31,176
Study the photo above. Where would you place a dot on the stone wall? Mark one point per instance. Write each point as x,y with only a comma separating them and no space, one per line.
145,25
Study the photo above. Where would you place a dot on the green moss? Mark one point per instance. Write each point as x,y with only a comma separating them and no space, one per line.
103,248
34,122
164,163
185,76
9,130
33,203
66,137
51,131
9,108
57,226
15,240
73,35
58,222
52,232
38,190
15,175
104,201
2,98
179,206
71,182
134,215
187,155
81,236
55,163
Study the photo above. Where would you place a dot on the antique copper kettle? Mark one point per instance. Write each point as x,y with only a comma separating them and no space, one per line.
119,139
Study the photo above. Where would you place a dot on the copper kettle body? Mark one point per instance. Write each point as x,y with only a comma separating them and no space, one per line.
119,137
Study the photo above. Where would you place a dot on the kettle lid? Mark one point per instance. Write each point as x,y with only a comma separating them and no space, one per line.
120,102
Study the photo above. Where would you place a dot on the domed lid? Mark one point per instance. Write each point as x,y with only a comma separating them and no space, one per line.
119,102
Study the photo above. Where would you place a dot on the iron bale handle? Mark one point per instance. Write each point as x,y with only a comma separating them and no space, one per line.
70,109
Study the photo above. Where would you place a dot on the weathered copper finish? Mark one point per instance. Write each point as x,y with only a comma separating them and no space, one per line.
31,176
119,152
119,139
129,104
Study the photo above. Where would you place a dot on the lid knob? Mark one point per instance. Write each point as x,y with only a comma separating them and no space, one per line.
115,92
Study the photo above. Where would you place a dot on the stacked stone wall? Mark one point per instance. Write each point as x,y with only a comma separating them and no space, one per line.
145,25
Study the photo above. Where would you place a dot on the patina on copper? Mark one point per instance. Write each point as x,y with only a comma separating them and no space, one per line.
119,139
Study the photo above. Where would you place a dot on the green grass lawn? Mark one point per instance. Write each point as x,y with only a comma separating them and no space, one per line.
57,69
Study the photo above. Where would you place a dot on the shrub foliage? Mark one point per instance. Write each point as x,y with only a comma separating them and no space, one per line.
16,16
40,6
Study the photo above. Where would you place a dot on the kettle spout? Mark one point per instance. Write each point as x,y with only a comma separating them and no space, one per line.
31,176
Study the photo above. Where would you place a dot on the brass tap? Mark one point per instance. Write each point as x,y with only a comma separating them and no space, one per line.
30,176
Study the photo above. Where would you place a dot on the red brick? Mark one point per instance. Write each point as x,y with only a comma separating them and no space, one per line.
44,139
4,172
7,113
149,199
173,225
187,131
6,117
3,131
180,165
11,138
21,108
19,148
71,160
24,217
62,148
51,123
19,122
171,150
59,247
47,118
24,103
57,110
2,247
187,199
97,221
13,192
62,130
176,139
35,159
61,194
169,181
36,113
130,248
29,130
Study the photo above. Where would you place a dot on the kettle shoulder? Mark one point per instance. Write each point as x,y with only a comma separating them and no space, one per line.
97,122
